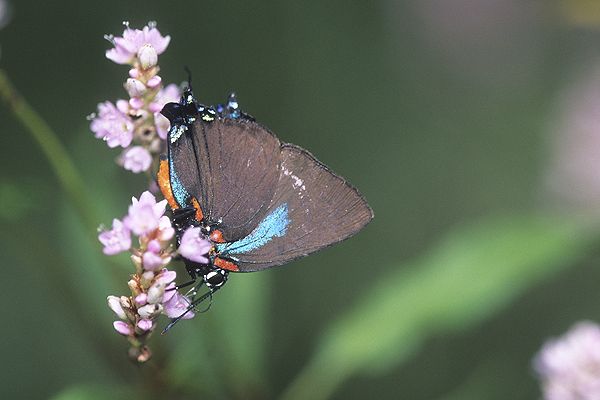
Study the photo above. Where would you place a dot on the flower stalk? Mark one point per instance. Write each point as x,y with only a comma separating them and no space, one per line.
152,289
137,126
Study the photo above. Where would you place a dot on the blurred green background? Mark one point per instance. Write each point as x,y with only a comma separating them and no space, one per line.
458,120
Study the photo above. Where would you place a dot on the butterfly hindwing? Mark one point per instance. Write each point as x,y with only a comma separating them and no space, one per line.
312,208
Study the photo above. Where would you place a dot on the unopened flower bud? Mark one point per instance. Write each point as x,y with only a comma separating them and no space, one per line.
156,292
144,324
146,279
166,260
147,56
126,302
150,311
154,82
141,299
122,327
135,103
137,261
154,246
133,285
151,261
115,305
135,88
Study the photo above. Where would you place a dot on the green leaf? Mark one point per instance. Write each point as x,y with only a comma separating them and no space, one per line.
97,392
473,272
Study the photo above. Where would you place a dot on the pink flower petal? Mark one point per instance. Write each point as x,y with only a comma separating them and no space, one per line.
193,246
116,240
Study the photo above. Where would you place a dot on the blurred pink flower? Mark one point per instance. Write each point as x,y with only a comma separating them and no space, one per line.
569,366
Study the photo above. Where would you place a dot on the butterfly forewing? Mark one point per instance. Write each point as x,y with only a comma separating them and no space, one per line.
236,165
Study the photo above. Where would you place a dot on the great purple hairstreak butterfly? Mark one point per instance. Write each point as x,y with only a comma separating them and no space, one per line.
260,202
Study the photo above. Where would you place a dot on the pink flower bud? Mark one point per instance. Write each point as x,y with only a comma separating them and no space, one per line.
122,327
141,299
154,82
144,324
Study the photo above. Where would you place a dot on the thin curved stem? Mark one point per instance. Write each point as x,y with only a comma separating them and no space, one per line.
59,159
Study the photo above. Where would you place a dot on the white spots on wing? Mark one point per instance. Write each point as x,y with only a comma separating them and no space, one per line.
296,181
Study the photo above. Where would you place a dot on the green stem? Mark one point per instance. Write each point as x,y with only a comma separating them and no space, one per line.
70,180
59,159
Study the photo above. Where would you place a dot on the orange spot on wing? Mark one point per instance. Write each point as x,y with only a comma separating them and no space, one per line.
219,262
199,214
217,237
164,182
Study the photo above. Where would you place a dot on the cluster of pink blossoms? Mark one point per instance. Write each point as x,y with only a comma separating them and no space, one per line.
138,127
152,289
136,124
569,366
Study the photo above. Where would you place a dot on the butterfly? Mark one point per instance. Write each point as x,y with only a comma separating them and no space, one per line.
258,201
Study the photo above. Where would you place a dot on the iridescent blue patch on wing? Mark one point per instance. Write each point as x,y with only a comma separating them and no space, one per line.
182,197
231,109
274,225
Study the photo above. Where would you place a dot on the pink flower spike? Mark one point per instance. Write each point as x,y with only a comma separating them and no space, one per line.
123,106
153,37
136,159
116,240
193,246
147,198
170,94
134,73
119,54
122,327
176,306
144,324
567,366
155,107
